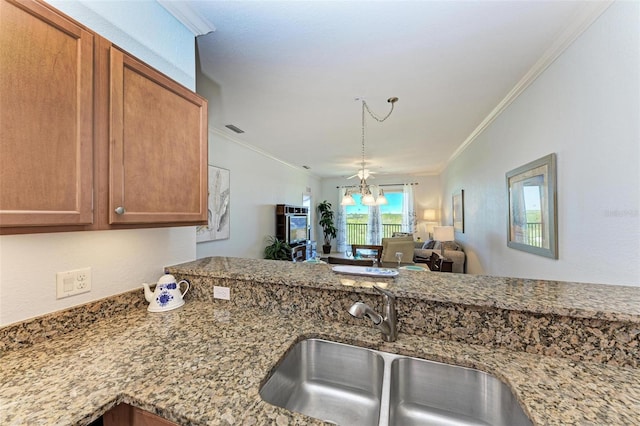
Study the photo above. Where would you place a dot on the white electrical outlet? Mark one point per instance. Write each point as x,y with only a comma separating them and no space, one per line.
70,283
221,293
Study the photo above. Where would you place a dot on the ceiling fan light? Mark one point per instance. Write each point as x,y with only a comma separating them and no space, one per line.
347,200
382,200
368,200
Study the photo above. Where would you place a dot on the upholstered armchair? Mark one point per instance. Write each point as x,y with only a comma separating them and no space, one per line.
390,246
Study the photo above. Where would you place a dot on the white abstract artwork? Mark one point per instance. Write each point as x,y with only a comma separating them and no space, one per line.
218,227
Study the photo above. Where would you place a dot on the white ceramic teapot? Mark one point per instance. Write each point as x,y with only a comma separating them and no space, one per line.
167,294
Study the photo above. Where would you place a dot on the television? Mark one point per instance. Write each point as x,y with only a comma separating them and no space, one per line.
297,228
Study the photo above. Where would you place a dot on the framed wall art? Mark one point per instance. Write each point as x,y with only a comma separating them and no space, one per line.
532,224
218,226
458,211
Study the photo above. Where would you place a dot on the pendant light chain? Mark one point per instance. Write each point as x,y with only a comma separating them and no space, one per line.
372,114
365,191
375,117
364,104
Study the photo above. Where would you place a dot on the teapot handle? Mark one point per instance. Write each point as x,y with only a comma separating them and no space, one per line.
188,286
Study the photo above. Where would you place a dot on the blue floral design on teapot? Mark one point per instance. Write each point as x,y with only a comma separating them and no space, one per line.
164,298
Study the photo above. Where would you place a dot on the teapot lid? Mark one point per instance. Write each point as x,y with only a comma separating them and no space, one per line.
166,279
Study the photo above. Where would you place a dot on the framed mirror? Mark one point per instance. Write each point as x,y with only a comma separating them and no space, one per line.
532,221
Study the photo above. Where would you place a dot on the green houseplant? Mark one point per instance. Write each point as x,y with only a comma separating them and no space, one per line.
277,249
328,228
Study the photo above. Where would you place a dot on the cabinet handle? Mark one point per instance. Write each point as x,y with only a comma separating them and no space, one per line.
120,210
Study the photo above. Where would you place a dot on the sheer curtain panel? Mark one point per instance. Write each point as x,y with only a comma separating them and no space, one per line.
409,221
341,223
374,225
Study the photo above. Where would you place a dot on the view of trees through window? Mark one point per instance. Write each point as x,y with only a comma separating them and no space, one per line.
358,218
532,206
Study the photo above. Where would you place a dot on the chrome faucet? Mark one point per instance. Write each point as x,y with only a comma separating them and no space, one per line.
386,324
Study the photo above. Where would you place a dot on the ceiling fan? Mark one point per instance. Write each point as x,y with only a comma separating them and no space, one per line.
363,174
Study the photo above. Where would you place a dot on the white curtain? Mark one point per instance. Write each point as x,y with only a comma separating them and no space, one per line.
374,225
341,223
409,221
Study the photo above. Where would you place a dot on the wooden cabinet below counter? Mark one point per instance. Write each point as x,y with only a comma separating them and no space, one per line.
92,138
127,415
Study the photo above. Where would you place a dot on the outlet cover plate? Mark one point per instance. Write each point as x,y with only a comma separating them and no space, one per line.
70,283
221,293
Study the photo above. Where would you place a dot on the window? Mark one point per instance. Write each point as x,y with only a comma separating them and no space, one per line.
358,218
391,214
306,202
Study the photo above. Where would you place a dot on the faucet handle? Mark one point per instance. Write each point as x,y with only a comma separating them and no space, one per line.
384,292
390,331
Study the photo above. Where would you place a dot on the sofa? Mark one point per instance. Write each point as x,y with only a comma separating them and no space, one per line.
452,250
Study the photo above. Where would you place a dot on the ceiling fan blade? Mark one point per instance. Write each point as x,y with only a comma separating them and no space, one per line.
365,174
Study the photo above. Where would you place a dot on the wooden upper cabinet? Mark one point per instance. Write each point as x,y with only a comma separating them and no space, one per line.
46,117
90,137
158,146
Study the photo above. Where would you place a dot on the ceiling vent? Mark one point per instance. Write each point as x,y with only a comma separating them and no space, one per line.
234,128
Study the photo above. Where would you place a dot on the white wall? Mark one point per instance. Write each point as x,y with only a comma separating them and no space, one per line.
257,183
120,260
586,108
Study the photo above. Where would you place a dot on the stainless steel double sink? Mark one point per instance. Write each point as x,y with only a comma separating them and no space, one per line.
350,385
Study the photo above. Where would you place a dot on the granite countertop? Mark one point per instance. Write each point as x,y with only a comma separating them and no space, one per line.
582,300
203,364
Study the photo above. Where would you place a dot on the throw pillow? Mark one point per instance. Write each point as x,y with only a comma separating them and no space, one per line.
428,245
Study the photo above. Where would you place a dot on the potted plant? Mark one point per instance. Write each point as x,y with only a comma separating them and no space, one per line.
328,228
277,249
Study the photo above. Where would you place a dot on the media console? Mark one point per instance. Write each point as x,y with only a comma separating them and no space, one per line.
293,226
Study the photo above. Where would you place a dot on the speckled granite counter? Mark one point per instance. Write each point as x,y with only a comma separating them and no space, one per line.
202,364
582,322
596,301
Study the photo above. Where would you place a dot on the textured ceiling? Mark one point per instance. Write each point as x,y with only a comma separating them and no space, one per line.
289,72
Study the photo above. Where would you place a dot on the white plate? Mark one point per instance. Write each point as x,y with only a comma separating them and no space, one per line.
365,270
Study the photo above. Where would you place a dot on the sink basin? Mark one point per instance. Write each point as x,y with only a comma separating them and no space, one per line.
329,381
430,393
349,385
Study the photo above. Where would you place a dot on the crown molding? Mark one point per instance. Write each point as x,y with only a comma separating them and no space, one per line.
224,134
184,13
582,21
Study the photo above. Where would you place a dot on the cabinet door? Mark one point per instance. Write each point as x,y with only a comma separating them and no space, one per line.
158,149
46,123
145,418
127,415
